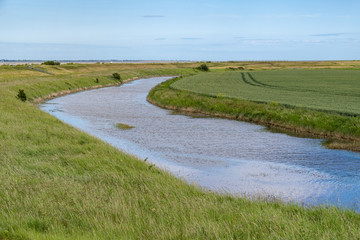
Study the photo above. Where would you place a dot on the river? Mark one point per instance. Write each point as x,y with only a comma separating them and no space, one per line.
218,154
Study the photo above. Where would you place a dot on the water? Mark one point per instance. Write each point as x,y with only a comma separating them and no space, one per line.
219,154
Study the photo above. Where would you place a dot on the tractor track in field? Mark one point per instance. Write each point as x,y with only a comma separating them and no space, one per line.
246,81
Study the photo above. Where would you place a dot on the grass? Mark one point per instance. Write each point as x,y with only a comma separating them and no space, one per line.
57,182
320,106
124,126
325,89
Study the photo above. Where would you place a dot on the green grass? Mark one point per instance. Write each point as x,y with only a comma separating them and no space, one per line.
329,90
57,182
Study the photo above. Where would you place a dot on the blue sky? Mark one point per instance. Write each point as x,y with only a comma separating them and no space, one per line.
180,30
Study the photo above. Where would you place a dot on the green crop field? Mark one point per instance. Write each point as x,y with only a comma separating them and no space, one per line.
325,89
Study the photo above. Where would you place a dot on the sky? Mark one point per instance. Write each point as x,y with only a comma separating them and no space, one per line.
211,30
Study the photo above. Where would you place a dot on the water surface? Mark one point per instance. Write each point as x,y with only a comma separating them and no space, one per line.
219,154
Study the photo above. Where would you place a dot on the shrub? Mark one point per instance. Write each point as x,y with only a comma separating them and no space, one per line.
238,68
203,67
51,63
21,95
117,76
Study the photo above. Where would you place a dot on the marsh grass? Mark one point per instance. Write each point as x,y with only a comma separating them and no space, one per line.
57,182
123,126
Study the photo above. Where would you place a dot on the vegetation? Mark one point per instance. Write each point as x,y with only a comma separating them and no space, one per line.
124,126
51,63
343,131
117,76
237,68
21,95
203,67
58,183
328,90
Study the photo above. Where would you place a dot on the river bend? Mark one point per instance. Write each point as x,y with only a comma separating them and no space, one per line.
218,154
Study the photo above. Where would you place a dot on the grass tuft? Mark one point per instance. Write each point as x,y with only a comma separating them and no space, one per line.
124,126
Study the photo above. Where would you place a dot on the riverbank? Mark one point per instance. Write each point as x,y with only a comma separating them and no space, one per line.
342,132
59,183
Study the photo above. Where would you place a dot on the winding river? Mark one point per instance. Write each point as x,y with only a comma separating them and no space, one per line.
218,154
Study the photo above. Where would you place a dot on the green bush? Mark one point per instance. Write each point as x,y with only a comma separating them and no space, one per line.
117,76
21,95
51,63
203,67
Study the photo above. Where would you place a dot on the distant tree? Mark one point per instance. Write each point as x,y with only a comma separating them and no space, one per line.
50,63
21,95
203,67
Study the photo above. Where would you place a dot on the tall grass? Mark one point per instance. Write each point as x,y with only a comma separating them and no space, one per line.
57,182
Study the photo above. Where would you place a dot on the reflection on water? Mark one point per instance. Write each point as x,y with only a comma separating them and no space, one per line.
219,154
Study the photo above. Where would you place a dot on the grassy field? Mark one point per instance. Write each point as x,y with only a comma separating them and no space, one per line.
330,90
57,182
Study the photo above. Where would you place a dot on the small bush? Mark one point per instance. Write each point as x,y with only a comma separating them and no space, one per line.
21,95
203,67
117,76
97,80
51,63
